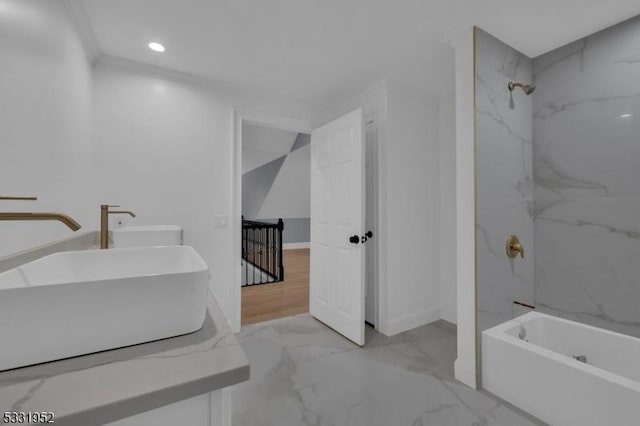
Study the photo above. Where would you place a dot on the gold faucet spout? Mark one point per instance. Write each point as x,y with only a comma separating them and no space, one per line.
4,198
132,214
30,216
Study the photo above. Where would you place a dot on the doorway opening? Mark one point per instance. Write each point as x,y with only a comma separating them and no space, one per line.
275,223
254,301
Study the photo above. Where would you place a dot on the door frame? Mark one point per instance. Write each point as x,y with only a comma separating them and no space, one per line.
374,270
300,126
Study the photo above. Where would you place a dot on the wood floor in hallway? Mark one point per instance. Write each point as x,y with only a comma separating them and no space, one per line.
290,297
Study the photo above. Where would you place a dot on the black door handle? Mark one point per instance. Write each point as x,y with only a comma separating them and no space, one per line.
366,236
354,239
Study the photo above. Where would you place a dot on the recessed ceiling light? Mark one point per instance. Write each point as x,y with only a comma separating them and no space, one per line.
156,47
626,115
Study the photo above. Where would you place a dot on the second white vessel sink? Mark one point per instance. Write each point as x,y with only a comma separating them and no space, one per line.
147,236
74,303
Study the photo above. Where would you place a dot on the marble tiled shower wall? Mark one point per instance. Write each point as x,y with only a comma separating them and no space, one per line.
587,179
504,188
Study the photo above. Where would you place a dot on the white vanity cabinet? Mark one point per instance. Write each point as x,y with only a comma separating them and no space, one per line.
212,409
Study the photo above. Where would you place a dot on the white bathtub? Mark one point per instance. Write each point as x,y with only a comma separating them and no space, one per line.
540,376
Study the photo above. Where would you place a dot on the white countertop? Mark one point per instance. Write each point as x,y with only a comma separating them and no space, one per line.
107,386
103,387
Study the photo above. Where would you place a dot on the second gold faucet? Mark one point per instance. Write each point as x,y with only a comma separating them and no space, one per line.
104,222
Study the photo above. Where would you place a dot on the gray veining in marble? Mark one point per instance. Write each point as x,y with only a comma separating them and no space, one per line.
586,174
107,386
303,373
504,180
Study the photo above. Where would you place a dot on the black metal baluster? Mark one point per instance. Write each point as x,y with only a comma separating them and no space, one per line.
268,250
262,247
261,233
280,244
274,255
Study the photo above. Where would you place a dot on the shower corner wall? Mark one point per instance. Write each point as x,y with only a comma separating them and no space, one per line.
559,169
504,181
587,198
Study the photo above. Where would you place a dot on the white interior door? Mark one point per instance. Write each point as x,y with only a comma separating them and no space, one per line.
337,274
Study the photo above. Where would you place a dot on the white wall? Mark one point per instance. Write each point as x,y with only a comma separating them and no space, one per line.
164,149
447,143
410,187
408,203
45,119
162,146
465,365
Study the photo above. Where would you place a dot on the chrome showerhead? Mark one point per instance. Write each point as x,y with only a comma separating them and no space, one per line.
526,88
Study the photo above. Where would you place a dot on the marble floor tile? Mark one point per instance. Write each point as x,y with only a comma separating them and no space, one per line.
303,373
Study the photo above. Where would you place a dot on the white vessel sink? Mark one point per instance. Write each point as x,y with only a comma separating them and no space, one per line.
74,303
147,236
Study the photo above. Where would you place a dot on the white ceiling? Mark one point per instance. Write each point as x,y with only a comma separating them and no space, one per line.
326,51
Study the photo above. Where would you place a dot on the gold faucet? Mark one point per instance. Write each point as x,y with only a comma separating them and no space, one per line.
67,220
104,223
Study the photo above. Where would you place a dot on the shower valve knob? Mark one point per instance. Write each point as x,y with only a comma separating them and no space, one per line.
514,248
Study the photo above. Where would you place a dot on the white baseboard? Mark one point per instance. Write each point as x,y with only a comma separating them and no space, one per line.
448,316
293,246
409,321
465,374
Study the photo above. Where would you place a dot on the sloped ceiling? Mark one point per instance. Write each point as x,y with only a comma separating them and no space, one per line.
289,196
261,145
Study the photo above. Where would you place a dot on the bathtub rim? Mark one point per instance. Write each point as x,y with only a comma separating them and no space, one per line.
499,332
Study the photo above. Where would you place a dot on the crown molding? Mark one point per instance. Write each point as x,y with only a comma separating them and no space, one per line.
82,25
121,64
223,86
372,92
232,92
